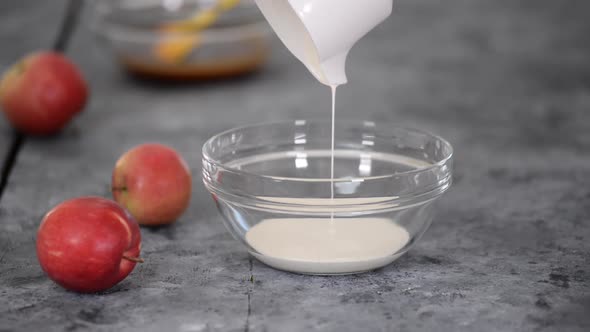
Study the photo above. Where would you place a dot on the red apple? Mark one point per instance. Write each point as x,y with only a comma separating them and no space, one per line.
153,182
88,244
42,93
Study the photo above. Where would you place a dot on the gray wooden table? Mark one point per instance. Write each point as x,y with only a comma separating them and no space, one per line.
506,82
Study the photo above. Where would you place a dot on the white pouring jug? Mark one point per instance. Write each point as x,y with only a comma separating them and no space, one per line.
320,33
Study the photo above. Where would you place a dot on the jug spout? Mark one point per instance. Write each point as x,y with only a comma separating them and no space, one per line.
333,70
320,33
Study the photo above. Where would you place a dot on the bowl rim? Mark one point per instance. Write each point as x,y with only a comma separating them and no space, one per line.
119,31
427,193
223,166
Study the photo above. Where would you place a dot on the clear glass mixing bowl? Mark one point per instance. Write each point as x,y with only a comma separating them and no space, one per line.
385,181
236,43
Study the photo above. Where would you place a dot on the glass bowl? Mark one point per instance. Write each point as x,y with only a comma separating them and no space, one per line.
237,42
272,185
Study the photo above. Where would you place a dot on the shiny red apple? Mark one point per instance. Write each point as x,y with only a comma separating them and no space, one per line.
153,183
88,244
41,93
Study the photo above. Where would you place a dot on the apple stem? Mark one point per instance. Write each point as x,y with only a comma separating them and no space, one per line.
119,188
134,259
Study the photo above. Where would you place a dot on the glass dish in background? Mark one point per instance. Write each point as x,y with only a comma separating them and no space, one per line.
282,171
235,44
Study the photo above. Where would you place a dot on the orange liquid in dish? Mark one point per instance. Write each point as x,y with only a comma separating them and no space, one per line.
221,67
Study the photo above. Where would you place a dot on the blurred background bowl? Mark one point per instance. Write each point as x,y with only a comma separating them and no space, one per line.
232,43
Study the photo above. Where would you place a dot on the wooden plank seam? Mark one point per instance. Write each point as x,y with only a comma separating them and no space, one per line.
68,25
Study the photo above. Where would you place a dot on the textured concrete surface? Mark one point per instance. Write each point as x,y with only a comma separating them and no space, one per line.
507,82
